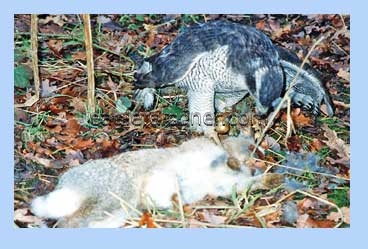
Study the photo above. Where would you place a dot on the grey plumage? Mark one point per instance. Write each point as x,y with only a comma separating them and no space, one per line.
307,90
220,62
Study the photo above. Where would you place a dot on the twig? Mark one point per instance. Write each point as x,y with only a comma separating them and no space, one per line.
36,73
125,204
90,64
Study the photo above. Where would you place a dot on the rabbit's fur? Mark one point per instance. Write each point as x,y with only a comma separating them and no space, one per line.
86,195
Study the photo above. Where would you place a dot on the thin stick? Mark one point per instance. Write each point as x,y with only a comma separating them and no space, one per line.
124,202
90,64
289,120
36,73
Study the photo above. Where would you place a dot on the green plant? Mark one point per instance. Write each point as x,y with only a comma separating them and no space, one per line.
92,120
340,196
323,153
22,50
173,109
123,104
34,131
132,22
22,76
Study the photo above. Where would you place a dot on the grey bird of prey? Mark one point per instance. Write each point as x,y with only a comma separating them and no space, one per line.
218,63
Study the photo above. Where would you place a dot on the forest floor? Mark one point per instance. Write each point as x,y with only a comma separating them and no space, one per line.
59,132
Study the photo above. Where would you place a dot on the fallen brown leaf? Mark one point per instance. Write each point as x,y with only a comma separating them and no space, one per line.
72,127
261,25
47,90
336,143
305,221
81,144
316,145
294,143
23,215
299,119
80,55
47,163
147,220
211,218
55,46
344,74
78,104
335,216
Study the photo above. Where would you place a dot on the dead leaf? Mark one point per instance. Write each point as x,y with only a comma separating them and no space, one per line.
72,127
113,86
343,161
23,215
47,90
80,55
294,143
211,218
316,145
20,115
47,163
299,119
256,165
151,29
103,19
335,216
56,129
344,74
306,203
83,144
273,218
55,46
193,223
274,25
52,141
55,109
336,143
261,25
147,220
270,143
323,223
78,104
305,221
